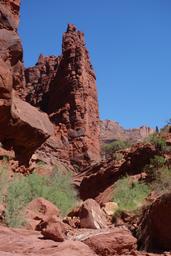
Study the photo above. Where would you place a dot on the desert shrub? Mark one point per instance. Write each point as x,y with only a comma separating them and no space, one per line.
162,182
3,180
61,191
16,200
158,141
155,164
56,188
129,194
111,148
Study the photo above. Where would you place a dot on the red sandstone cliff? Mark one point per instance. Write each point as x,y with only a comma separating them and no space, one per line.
22,127
65,88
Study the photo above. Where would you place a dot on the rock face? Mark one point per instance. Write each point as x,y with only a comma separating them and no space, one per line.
65,88
22,127
38,80
155,227
110,131
11,50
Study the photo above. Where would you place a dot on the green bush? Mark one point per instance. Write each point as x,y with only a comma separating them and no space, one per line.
155,164
162,182
111,148
16,199
158,141
129,195
56,188
3,180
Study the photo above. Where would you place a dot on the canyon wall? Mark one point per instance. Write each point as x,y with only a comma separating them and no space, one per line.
111,130
22,127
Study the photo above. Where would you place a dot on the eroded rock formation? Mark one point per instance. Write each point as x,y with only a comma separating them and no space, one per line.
65,88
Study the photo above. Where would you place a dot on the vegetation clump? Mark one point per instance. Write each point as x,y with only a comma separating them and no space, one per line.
152,168
18,192
129,194
111,148
157,141
162,182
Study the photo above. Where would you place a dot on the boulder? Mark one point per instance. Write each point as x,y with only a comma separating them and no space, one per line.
154,231
39,210
53,229
91,215
29,127
118,241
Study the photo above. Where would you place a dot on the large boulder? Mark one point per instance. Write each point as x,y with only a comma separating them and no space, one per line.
91,215
29,127
117,241
39,210
155,226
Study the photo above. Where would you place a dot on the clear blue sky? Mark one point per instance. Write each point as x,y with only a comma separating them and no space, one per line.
130,47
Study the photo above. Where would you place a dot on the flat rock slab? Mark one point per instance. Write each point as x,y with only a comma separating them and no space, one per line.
19,242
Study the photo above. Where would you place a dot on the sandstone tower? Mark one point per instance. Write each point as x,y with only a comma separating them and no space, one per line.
65,88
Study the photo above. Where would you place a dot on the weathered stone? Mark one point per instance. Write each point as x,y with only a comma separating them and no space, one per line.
39,210
115,242
28,128
91,215
53,229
